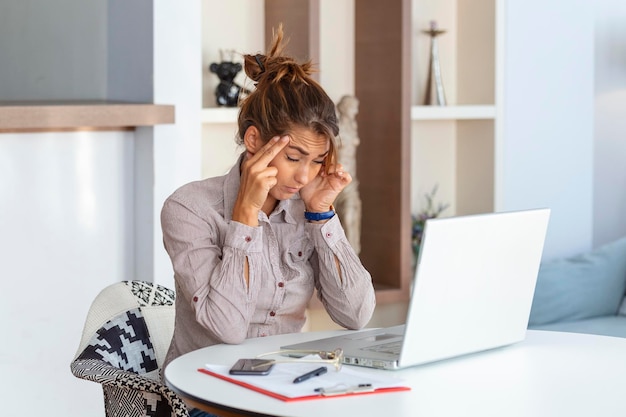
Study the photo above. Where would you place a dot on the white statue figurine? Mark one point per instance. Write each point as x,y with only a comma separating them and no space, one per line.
348,203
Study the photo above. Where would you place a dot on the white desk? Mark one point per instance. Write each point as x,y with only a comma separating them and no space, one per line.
549,374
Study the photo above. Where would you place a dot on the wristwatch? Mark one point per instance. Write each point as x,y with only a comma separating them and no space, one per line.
309,215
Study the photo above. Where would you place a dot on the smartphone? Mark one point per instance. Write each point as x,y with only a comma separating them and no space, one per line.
252,367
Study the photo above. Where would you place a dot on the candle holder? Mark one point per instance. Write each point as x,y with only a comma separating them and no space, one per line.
435,94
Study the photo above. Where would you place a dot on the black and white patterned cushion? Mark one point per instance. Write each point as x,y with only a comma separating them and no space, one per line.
148,294
129,394
124,343
121,357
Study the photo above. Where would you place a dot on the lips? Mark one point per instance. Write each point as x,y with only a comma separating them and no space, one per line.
292,190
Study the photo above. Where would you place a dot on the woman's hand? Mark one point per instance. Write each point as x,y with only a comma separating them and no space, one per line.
257,178
319,194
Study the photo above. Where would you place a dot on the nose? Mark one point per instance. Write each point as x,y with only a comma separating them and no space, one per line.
302,175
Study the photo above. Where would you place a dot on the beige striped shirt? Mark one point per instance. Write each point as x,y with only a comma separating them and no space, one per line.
288,257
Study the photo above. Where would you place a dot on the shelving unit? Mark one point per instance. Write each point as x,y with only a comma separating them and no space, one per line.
466,129
467,112
408,148
301,26
217,115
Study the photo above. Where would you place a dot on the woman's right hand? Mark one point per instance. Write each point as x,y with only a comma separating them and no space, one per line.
257,178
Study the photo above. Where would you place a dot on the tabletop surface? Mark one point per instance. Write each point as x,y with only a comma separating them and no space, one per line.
547,374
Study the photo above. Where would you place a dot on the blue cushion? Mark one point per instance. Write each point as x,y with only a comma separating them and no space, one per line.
580,287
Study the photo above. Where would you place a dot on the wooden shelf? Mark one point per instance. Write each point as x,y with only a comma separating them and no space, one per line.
78,115
464,112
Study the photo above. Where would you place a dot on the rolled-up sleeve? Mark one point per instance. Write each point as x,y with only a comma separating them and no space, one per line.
346,289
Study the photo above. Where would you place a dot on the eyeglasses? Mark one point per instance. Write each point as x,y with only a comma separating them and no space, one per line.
334,357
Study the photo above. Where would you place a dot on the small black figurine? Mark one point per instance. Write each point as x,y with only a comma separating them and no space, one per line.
227,91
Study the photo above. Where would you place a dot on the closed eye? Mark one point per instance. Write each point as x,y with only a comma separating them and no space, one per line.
290,159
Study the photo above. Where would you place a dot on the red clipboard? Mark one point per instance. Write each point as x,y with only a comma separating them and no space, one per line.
301,398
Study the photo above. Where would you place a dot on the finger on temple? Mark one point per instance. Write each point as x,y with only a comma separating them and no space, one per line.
272,148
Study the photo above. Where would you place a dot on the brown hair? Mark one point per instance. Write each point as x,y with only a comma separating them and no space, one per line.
286,96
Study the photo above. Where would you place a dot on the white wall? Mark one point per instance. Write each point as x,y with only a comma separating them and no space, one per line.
610,122
177,80
80,210
547,146
578,86
64,206
65,212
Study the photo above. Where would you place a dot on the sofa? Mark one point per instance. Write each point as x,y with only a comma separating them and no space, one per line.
583,293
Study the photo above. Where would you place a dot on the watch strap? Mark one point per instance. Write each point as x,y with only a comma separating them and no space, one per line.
312,216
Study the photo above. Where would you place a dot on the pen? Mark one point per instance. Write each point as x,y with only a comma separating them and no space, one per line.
316,372
341,389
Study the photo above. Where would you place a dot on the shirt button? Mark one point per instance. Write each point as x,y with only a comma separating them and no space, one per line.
300,253
195,299
272,313
281,284
329,234
248,238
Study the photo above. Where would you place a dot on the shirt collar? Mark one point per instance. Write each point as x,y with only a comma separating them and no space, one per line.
286,207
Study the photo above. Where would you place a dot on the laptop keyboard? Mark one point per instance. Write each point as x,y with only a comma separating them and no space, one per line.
392,348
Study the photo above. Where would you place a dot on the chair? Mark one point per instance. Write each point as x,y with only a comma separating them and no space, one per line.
126,336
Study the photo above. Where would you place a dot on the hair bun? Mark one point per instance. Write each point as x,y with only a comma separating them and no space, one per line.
285,97
275,66
275,69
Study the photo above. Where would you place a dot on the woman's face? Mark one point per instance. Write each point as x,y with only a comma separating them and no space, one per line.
298,162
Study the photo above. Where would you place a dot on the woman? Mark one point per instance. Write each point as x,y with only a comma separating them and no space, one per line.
248,248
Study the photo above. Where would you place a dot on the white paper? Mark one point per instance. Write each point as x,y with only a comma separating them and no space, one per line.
280,379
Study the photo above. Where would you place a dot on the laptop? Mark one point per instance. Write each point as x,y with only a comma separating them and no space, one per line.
472,291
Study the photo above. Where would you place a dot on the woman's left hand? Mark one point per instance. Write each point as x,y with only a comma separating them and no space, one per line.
319,194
